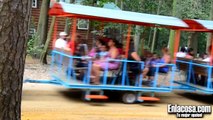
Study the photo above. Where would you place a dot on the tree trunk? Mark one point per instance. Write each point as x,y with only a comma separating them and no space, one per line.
150,37
155,29
121,25
43,58
14,27
192,41
208,42
153,40
42,27
67,25
172,32
141,43
116,2
137,37
68,21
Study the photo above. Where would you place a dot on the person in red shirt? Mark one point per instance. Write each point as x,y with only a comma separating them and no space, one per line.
73,45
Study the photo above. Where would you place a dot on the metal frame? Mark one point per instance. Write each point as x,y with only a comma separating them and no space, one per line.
208,89
57,80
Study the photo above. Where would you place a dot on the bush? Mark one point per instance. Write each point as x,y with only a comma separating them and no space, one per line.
34,51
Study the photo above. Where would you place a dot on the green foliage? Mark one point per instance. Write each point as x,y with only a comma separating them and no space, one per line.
184,9
31,50
191,9
202,42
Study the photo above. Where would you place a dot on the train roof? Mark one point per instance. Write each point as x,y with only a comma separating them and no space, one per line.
62,9
199,25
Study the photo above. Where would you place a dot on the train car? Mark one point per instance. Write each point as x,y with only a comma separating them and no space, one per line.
197,73
65,73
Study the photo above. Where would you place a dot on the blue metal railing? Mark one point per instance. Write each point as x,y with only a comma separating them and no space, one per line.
191,75
123,71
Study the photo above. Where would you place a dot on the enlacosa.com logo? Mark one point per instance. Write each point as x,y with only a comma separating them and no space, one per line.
189,111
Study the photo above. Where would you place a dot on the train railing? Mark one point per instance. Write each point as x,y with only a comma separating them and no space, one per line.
63,69
198,75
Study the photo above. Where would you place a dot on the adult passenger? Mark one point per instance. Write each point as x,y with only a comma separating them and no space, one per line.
100,65
190,54
207,59
61,43
161,63
182,52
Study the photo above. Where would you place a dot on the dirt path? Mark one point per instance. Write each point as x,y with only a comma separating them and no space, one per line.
46,102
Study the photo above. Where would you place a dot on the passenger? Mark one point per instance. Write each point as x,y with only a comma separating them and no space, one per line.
132,54
207,59
147,55
120,49
163,67
79,47
133,67
96,49
155,59
73,46
100,65
204,56
103,51
61,43
151,60
190,54
182,52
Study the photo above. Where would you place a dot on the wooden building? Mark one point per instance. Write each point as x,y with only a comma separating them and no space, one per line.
82,27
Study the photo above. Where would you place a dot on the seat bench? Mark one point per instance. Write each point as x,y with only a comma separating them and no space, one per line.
198,67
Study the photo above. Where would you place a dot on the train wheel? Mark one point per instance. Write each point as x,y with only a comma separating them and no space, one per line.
129,98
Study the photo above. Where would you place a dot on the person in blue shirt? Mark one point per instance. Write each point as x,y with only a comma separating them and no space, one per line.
161,63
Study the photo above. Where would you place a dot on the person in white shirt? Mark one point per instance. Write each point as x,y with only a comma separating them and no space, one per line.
207,59
61,42
182,52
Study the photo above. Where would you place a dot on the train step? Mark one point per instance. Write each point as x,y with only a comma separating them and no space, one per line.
149,98
102,97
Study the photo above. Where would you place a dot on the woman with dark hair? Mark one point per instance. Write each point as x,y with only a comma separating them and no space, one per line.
96,49
190,54
100,65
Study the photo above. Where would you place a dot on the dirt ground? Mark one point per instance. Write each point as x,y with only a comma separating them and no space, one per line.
48,102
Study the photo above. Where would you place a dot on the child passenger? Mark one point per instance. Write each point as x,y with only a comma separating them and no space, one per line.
151,62
103,52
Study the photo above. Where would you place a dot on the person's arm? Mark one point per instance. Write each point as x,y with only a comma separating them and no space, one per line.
190,57
114,54
67,48
57,44
167,61
135,56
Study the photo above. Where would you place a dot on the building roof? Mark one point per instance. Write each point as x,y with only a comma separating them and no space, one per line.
62,9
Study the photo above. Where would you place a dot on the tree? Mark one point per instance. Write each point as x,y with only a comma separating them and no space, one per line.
172,32
68,20
195,9
42,27
155,29
14,27
43,57
208,42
